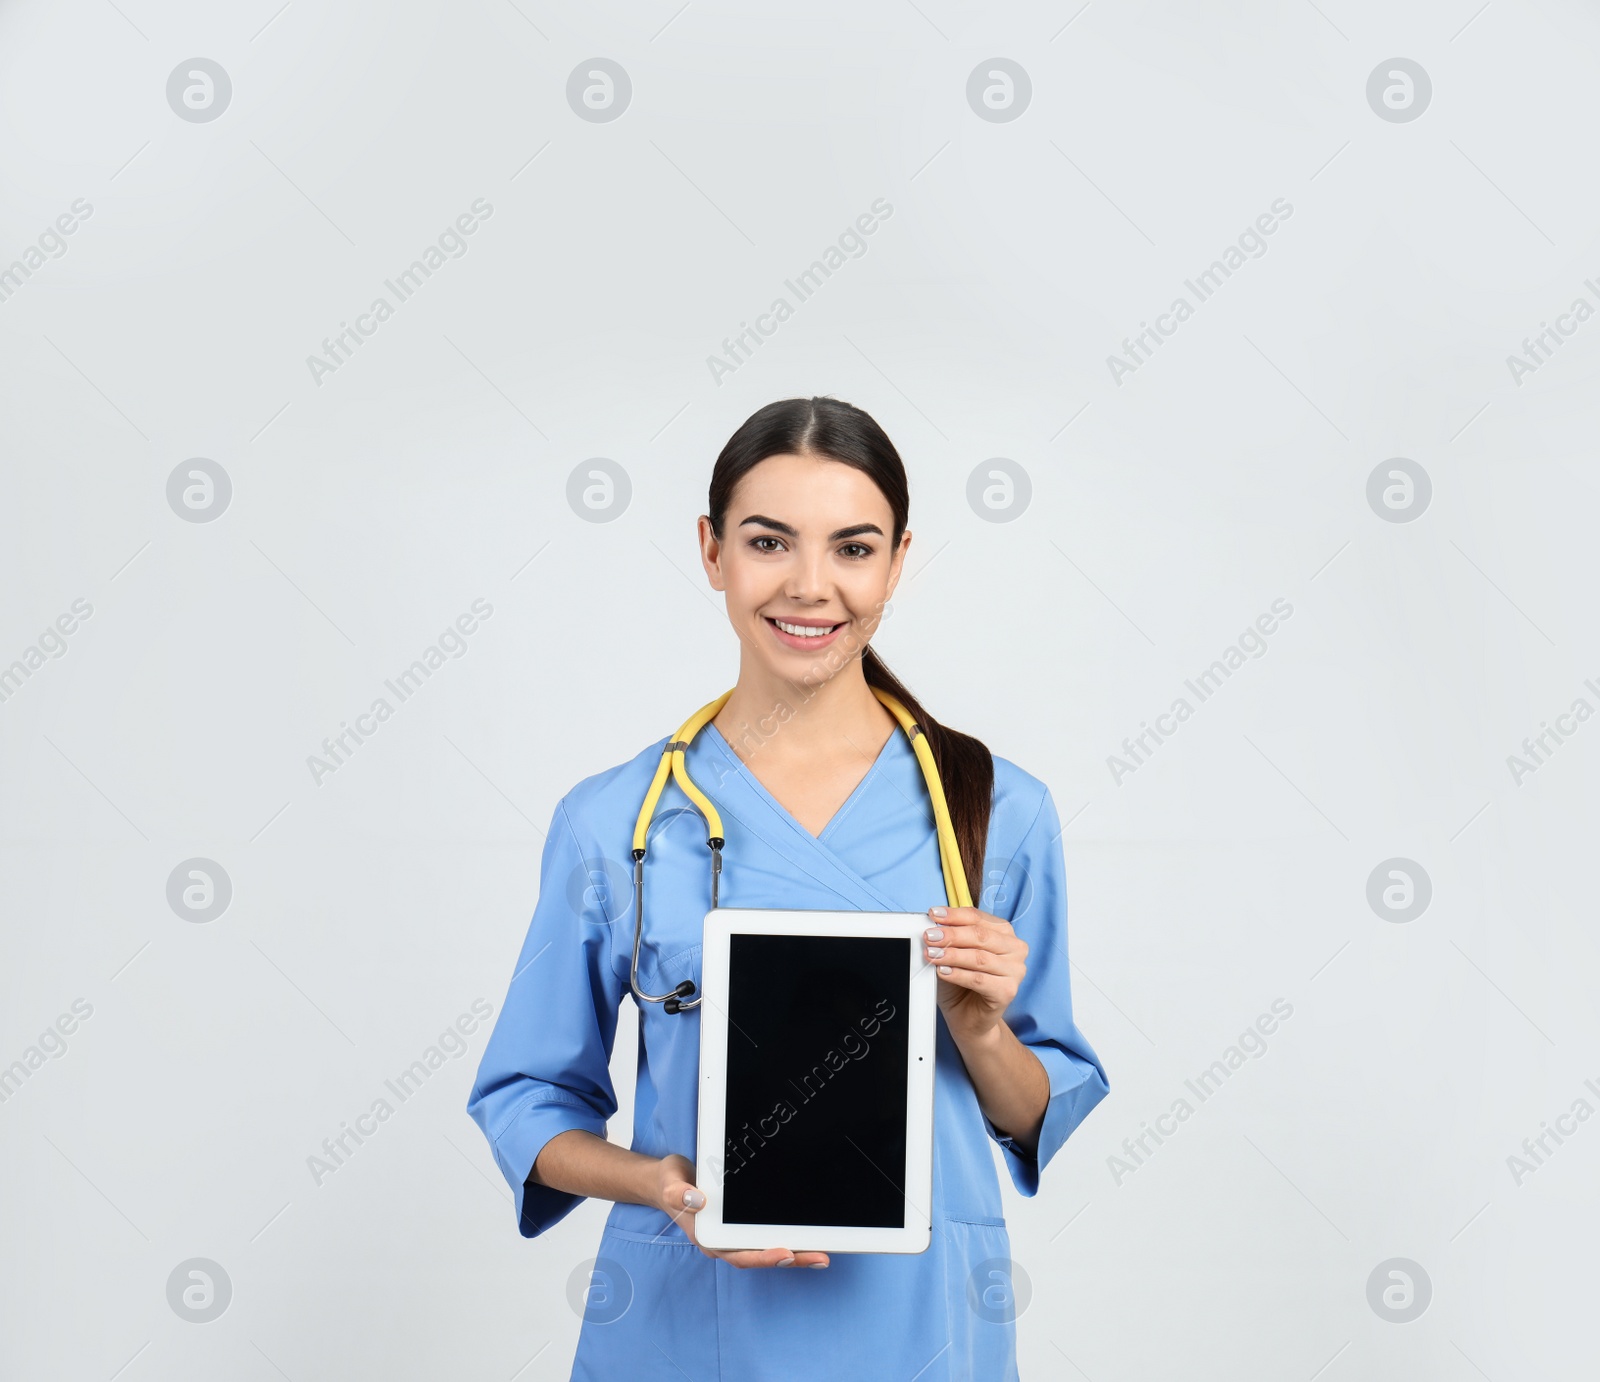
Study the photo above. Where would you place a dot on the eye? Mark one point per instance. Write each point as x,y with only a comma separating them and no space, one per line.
766,537
855,551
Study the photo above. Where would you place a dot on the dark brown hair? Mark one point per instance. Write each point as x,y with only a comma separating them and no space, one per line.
844,433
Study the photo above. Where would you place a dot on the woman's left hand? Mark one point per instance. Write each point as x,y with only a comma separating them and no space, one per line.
980,962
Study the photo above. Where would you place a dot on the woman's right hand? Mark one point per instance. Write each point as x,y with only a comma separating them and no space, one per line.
677,1195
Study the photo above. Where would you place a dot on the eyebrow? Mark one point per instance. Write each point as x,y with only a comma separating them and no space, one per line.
856,530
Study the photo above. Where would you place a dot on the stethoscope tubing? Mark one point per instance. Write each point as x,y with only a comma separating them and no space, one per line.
672,761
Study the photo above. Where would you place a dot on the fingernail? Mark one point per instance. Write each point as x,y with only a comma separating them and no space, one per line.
944,969
785,1261
934,933
937,911
819,1264
693,1199
934,951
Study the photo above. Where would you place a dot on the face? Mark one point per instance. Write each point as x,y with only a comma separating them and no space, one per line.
806,563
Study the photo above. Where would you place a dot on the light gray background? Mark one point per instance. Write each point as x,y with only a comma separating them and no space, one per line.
1167,513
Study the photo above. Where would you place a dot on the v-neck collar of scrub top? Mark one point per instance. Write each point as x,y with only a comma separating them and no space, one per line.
778,806
797,844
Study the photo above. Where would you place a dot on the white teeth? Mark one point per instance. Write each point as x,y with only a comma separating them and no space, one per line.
801,631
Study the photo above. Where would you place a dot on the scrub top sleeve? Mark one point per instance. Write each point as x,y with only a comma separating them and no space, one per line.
1041,1013
546,1067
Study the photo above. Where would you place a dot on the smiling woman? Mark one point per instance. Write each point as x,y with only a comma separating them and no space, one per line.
824,804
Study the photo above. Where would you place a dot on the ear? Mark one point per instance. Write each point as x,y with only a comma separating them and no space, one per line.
710,553
897,564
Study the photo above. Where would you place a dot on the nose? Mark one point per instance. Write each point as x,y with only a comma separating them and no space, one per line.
807,581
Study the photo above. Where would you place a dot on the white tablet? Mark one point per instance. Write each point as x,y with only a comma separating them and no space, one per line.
816,1081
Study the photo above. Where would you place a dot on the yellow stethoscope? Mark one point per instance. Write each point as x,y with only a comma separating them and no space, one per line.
955,878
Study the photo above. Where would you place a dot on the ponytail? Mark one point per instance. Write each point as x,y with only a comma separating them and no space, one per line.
966,767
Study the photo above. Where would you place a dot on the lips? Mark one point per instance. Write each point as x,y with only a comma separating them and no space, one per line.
818,633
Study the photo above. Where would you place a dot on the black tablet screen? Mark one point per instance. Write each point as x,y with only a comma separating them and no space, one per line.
816,1101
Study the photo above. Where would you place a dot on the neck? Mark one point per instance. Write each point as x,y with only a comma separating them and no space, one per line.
774,717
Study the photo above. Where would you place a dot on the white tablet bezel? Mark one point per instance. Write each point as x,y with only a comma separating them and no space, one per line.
720,925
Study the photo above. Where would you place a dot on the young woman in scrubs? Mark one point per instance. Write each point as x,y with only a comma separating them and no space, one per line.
824,806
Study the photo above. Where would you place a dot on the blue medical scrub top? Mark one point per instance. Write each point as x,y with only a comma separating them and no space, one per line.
933,1316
